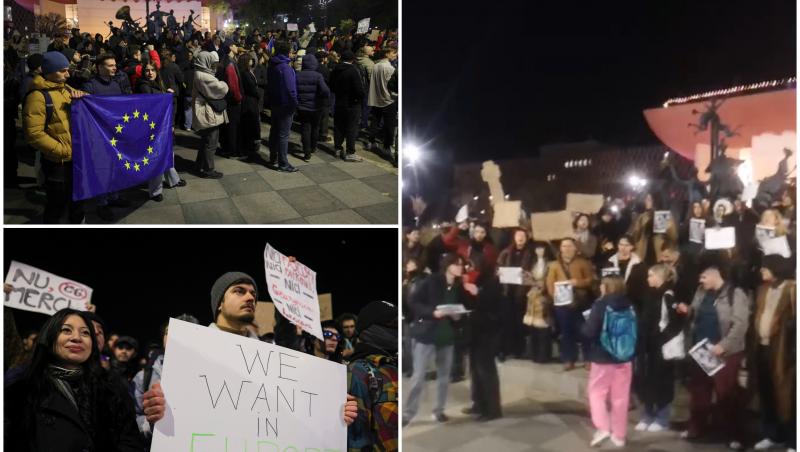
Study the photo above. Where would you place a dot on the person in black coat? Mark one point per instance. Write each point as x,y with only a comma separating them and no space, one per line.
66,401
312,94
483,344
349,90
251,120
261,79
325,111
172,77
659,323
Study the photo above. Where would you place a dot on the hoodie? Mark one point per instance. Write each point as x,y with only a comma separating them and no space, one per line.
593,327
312,91
347,86
281,83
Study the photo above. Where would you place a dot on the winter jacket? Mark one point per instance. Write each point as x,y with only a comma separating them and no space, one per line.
206,86
593,327
346,85
281,83
423,301
635,276
525,261
311,88
139,390
250,93
233,79
149,87
102,87
581,270
54,141
485,259
733,316
172,76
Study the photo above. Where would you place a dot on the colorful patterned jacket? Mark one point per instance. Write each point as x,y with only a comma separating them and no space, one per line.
373,382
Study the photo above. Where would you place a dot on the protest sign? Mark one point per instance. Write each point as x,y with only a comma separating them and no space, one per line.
265,317
720,238
582,203
374,35
462,215
227,391
325,307
764,233
551,225
291,27
39,291
697,228
506,214
510,275
610,271
293,288
705,358
777,245
452,309
661,221
490,173
563,293
312,28
363,26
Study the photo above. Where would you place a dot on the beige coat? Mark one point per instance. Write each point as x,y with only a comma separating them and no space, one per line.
206,86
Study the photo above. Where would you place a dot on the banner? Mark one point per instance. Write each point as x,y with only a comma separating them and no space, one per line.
291,27
119,142
39,291
506,214
582,203
363,26
551,225
228,392
293,288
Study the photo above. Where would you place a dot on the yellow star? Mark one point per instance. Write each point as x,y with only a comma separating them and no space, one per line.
152,137
149,149
126,118
119,155
119,128
145,117
136,166
127,165
113,142
136,114
152,125
146,161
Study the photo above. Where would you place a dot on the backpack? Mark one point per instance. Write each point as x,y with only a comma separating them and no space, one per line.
48,104
618,336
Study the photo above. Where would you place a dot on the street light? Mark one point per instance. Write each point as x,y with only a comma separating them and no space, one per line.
412,153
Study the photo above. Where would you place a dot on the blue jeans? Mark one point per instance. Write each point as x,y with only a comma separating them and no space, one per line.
187,113
570,321
422,353
653,414
279,135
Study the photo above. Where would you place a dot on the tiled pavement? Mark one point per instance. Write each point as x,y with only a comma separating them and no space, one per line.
326,190
538,417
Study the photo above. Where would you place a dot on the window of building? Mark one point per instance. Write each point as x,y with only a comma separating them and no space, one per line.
71,15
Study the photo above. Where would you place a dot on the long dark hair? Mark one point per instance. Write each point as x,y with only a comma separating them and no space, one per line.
106,402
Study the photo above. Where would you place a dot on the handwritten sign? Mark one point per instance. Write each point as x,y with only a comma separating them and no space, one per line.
228,392
697,230
661,221
291,27
506,214
551,225
312,28
582,203
39,291
510,275
363,26
720,238
293,288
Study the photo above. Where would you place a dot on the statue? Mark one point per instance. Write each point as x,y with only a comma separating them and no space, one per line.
772,187
172,23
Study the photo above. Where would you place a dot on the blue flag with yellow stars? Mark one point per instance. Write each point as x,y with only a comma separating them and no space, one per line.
119,142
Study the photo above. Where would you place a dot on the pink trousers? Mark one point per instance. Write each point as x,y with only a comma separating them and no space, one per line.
610,384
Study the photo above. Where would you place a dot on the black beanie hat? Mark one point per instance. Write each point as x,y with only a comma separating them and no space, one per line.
34,61
380,312
222,284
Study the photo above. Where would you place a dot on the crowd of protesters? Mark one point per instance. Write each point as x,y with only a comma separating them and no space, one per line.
639,299
74,385
222,84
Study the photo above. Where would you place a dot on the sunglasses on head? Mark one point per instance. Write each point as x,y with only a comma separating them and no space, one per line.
331,334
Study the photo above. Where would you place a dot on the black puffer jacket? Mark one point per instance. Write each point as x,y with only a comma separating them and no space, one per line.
312,91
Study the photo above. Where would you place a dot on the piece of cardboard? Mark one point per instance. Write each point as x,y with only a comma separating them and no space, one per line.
490,173
506,214
584,203
548,226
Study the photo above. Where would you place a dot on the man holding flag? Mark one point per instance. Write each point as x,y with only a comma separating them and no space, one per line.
46,123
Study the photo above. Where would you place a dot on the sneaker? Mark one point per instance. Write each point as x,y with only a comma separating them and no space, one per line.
105,213
641,426
469,410
735,445
353,158
181,183
599,437
765,444
157,198
655,427
211,175
617,442
440,417
287,169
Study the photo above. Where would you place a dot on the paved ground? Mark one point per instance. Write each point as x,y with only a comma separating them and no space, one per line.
538,416
325,191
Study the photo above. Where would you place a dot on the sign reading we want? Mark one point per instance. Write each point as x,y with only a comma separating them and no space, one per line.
231,393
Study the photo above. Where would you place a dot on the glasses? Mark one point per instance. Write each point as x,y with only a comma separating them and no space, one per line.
331,334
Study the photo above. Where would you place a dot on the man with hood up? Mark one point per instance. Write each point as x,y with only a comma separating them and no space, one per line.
282,88
349,90
312,94
372,380
206,120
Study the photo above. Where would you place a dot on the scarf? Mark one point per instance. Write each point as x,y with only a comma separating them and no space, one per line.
70,383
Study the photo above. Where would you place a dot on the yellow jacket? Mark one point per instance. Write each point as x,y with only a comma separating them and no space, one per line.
55,141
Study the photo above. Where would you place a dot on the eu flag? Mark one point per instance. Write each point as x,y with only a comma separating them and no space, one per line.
119,142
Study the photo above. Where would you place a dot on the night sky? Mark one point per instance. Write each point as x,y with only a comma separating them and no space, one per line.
500,80
141,277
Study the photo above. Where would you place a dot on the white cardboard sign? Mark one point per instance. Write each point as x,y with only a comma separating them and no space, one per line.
720,238
293,288
363,26
697,230
510,275
39,291
661,221
291,27
229,392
